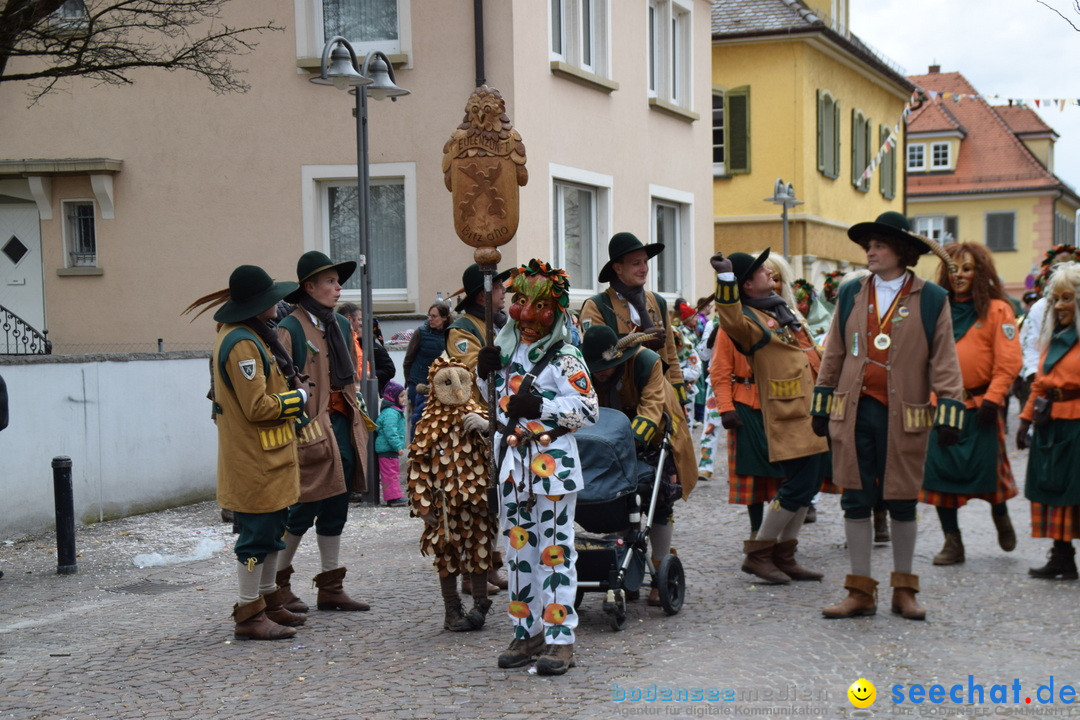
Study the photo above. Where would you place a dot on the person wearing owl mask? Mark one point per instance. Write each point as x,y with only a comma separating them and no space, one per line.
543,394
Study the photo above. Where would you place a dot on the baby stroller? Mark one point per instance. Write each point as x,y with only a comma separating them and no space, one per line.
613,553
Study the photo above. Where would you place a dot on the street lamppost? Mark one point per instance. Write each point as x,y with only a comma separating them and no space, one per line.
784,195
340,68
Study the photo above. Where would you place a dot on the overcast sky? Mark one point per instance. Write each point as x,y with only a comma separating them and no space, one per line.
1011,48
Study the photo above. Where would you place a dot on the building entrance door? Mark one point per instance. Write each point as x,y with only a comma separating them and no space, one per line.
21,283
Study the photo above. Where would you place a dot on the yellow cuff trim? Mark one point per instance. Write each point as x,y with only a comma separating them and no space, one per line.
644,429
727,293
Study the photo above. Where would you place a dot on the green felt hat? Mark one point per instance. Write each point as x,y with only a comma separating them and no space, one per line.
622,244
314,262
889,225
251,291
744,265
602,348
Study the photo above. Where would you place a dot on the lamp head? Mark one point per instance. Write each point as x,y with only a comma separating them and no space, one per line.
341,71
382,79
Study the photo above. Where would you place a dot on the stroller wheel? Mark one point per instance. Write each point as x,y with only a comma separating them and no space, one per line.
578,597
617,621
671,582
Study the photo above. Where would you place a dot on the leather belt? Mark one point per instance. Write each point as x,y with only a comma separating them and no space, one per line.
970,393
745,381
1063,394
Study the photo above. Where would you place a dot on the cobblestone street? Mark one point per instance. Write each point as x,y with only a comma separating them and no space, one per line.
117,641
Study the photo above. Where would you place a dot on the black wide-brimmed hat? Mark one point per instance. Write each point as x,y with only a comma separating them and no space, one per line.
890,225
600,348
472,282
251,291
744,265
314,262
621,244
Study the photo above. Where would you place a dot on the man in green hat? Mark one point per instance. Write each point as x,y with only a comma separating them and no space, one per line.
890,345
630,379
257,402
785,360
333,443
626,306
464,338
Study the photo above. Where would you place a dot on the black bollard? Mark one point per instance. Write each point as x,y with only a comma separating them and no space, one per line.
64,499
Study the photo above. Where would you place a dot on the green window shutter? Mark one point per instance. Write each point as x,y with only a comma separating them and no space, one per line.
1000,231
737,118
856,145
821,120
836,140
951,228
888,166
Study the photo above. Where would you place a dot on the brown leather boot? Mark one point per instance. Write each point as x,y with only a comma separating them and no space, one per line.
288,600
522,651
252,623
331,593
276,611
861,599
952,553
759,562
783,558
454,620
904,587
556,660
1006,534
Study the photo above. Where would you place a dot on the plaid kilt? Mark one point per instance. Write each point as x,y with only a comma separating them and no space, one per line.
748,489
1006,483
1058,522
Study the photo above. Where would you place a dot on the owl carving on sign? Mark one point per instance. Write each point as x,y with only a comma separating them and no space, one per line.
483,166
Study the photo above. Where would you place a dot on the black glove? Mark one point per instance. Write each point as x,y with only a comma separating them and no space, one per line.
720,264
524,405
820,424
947,436
730,420
1022,441
987,414
487,361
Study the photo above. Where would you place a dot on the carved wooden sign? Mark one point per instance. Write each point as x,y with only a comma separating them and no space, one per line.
483,166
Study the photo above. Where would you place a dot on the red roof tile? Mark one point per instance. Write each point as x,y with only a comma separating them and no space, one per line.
933,117
991,157
1022,120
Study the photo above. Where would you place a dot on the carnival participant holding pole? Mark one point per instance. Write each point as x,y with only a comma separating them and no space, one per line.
890,344
984,326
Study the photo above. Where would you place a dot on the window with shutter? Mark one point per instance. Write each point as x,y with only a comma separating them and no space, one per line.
888,166
828,143
952,233
1000,231
737,120
860,149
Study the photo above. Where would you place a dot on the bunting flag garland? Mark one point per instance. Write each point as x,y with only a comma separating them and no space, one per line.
892,141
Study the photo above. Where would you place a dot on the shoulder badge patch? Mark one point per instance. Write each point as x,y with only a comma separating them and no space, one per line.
580,382
1009,329
247,368
461,345
586,324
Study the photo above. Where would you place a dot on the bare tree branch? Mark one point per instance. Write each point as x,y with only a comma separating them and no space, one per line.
1076,7
103,40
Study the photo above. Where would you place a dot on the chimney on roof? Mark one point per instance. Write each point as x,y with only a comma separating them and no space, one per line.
935,69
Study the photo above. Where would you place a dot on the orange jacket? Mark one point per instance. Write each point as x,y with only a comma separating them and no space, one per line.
1065,375
989,354
727,362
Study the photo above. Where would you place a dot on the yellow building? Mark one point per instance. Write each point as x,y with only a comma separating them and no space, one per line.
797,97
985,174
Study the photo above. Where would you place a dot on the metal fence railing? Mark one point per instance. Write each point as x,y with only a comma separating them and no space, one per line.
18,337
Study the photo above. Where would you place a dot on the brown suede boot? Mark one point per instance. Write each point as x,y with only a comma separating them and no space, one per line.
556,660
276,611
252,623
481,604
952,553
759,562
494,577
331,593
454,620
904,587
861,599
289,601
522,651
783,558
1006,534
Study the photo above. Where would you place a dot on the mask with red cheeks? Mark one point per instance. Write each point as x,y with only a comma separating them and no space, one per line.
540,296
535,316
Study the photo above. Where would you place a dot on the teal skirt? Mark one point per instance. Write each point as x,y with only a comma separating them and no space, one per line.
1053,470
751,445
970,467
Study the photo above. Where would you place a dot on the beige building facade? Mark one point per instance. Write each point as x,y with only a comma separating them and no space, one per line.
129,202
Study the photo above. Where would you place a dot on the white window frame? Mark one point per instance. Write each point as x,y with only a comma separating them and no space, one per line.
582,288
308,15
684,248
931,226
719,168
68,232
573,34
934,147
314,181
670,52
908,159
